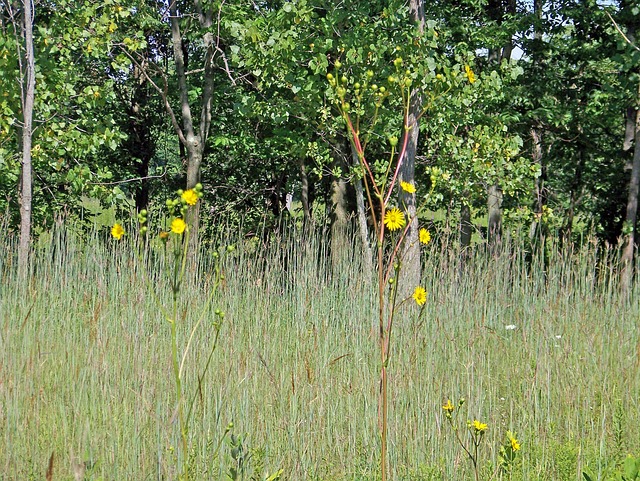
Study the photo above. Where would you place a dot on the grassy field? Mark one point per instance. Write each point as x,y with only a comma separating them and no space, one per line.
85,370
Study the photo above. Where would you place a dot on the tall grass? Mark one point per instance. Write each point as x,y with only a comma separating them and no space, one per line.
85,368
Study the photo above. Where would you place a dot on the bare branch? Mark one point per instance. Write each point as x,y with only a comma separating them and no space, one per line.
163,93
626,39
135,179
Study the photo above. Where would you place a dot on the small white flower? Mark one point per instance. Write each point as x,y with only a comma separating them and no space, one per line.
510,327
558,336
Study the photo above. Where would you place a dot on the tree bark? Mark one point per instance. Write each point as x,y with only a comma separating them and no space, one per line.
574,199
339,222
411,264
304,193
633,117
541,198
194,139
361,212
628,249
28,95
465,227
494,207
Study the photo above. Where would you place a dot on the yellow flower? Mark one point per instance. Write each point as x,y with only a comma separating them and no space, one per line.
470,75
408,187
425,236
394,219
178,225
448,407
420,295
117,231
190,197
479,427
515,445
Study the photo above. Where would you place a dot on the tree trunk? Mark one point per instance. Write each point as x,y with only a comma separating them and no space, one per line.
494,207
304,193
361,211
411,265
632,211
194,140
339,222
28,81
465,227
541,198
576,187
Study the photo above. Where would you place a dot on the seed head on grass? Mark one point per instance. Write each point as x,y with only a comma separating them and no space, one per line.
394,219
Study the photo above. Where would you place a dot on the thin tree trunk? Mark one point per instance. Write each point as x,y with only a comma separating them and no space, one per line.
361,212
465,227
540,193
411,265
28,96
494,207
576,187
632,211
304,192
339,222
193,139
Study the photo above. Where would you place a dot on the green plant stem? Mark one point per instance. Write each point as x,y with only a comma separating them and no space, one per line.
178,383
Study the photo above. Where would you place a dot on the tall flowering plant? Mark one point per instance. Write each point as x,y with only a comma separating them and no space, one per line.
174,240
391,221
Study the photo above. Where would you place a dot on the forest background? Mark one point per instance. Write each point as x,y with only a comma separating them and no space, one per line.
134,100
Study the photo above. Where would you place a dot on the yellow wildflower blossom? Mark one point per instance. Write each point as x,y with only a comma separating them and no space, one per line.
420,295
425,236
479,427
448,408
117,231
190,197
470,75
408,187
178,225
515,445
394,219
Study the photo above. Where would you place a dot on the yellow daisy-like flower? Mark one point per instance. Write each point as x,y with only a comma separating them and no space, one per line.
420,296
425,236
394,219
515,445
408,187
178,225
190,196
470,75
479,427
448,408
117,231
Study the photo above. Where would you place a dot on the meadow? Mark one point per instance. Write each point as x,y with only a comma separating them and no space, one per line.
548,351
